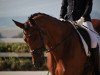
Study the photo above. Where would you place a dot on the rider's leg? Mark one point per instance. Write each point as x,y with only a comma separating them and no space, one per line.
95,49
93,35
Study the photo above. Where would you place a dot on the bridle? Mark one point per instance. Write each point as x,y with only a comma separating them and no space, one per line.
42,34
39,51
43,48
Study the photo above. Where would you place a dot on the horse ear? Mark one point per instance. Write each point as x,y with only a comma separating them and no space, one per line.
21,25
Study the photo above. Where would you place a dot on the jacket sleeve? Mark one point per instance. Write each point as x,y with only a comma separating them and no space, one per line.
63,10
88,8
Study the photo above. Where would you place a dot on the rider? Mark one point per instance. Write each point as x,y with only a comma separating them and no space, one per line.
79,11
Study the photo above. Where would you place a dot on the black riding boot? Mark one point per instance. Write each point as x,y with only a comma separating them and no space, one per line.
95,60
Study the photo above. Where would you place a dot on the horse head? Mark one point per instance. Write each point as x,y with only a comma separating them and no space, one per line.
43,32
33,36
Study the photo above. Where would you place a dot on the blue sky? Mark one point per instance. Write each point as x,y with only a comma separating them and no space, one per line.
21,9
10,8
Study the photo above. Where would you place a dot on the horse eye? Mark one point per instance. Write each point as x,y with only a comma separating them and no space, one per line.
27,27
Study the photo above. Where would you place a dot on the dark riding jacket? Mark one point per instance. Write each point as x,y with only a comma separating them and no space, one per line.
76,9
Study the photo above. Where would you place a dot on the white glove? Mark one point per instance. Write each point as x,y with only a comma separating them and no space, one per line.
80,21
61,19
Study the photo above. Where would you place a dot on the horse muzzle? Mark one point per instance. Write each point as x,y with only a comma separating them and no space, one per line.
38,63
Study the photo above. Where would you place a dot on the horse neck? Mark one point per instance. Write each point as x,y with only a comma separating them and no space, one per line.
54,28
50,24
56,32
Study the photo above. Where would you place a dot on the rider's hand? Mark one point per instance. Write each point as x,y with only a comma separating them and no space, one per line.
80,21
61,19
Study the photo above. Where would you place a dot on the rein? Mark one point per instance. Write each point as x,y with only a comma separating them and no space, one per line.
41,34
43,48
51,48
58,44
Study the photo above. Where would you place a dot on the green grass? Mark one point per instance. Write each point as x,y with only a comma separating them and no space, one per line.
14,47
17,63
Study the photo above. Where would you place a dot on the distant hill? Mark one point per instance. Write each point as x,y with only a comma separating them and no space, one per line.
8,28
9,33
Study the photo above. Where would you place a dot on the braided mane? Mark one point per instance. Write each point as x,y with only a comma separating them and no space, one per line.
36,14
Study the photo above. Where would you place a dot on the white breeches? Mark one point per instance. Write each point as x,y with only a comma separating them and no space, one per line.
93,35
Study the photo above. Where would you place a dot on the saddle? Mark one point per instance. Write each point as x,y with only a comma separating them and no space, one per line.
92,54
85,36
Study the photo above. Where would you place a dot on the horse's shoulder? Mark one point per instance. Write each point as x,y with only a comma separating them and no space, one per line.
96,22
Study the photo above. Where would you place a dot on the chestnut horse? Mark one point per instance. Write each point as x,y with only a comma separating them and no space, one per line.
65,55
96,24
